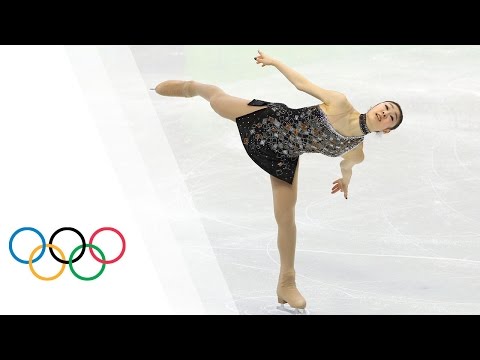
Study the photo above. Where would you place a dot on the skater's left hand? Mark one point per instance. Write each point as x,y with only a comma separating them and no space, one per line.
263,59
341,185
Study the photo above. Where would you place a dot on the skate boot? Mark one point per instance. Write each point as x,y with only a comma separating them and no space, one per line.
175,88
287,292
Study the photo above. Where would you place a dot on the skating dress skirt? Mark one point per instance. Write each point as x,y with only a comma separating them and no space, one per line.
274,137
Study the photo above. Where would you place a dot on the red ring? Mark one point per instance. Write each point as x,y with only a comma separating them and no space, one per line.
124,245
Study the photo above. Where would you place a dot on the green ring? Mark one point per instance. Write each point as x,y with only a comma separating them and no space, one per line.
70,262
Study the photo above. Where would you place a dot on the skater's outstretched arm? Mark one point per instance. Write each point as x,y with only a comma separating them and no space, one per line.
329,97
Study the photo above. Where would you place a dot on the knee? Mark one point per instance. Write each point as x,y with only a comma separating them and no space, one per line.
217,97
285,217
216,100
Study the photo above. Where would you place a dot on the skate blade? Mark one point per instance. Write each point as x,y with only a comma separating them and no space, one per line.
292,311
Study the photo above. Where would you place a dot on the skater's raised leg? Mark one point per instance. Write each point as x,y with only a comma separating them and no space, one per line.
225,105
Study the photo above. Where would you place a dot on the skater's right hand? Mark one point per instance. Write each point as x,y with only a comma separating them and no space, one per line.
263,59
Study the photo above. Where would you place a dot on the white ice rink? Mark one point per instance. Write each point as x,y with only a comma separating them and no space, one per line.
407,240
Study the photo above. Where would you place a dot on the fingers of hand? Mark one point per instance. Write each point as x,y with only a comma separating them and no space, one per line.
336,188
340,186
259,60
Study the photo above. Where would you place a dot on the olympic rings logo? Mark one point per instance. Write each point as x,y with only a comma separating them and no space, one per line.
71,260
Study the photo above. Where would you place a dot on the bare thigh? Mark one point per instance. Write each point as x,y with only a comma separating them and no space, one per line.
285,198
231,107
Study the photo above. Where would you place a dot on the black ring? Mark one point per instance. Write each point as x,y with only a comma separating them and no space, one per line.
84,244
255,58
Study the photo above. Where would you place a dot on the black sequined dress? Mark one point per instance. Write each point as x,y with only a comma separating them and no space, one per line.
275,136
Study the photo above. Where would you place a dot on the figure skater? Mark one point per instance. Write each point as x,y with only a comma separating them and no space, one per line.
274,136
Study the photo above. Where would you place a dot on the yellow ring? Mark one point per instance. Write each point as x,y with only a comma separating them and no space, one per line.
30,262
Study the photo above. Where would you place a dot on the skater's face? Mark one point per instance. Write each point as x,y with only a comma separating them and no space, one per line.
385,116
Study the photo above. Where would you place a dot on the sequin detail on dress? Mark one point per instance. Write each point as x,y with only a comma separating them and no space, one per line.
274,137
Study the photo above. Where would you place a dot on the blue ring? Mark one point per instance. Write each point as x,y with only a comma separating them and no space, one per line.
44,244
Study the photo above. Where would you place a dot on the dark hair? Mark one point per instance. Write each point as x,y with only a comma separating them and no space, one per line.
400,117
